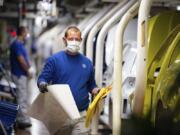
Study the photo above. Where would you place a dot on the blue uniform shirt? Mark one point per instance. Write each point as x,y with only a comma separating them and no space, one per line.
77,71
17,49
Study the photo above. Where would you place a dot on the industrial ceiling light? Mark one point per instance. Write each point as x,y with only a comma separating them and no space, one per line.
178,7
1,2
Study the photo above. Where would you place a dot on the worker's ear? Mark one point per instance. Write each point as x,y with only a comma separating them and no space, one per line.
64,40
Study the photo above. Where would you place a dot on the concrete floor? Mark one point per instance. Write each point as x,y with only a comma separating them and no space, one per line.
37,128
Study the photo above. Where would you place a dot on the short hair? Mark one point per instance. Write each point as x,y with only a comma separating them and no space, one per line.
20,30
76,29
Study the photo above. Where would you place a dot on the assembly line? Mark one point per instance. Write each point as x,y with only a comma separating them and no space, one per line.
93,67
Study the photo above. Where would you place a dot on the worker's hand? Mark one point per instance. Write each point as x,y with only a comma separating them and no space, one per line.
30,72
43,87
95,91
30,75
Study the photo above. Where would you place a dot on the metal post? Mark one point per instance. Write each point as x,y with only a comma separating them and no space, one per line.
101,38
91,24
98,26
117,80
140,85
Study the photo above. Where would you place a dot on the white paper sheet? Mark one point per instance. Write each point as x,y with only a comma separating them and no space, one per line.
55,108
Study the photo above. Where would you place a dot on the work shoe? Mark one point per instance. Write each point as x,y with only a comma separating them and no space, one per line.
23,125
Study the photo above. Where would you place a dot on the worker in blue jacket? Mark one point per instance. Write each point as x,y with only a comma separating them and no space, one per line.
20,69
72,68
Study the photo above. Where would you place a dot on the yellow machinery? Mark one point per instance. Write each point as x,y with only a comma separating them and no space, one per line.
163,65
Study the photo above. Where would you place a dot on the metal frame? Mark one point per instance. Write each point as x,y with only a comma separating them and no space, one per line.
140,85
92,21
97,27
117,80
101,38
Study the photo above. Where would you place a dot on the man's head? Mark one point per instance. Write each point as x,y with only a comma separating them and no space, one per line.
72,39
22,32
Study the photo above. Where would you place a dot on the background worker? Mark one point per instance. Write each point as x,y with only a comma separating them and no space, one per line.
20,66
72,68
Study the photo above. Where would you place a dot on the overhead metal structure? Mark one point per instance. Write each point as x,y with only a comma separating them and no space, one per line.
117,77
97,27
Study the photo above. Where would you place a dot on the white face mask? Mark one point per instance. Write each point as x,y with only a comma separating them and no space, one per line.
27,37
73,46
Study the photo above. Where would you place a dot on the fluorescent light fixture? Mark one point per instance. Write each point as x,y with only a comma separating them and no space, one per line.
1,2
178,7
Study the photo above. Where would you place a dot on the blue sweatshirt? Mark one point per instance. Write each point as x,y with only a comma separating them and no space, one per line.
17,48
75,70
